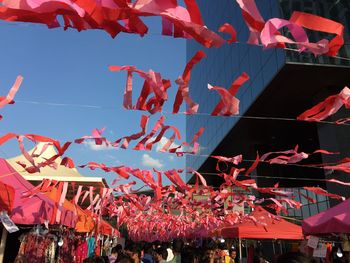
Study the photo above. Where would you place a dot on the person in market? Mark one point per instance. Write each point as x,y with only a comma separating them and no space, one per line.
120,252
232,255
135,255
148,252
189,255
177,249
220,259
170,252
209,256
114,255
161,255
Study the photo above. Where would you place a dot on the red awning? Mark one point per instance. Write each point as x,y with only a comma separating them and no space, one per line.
36,209
272,229
102,226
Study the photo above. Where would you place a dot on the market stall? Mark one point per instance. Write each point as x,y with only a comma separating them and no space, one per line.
261,225
333,220
32,209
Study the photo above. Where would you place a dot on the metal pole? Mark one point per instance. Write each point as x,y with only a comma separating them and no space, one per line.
273,247
3,244
102,246
240,250
281,247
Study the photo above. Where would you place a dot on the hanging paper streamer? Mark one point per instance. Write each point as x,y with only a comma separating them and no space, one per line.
328,107
133,137
290,156
153,84
253,19
321,24
270,37
229,29
11,94
320,191
234,160
343,165
8,99
230,103
183,82
114,16
236,84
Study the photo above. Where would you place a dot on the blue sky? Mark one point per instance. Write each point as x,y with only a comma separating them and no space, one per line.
70,67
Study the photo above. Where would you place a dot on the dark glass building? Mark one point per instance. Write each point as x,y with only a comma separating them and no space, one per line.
282,84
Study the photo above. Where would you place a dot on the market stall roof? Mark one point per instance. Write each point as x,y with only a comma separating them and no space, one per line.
105,228
334,220
36,209
47,171
272,229
62,173
85,222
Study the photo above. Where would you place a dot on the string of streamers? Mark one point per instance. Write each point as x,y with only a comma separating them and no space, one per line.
153,83
171,199
167,198
227,106
328,107
124,16
114,17
339,122
146,142
180,195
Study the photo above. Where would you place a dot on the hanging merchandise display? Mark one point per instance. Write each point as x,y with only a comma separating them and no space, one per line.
91,242
37,247
54,246
8,223
66,252
81,251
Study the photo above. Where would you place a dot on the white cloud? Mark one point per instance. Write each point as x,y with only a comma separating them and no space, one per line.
92,146
151,162
114,159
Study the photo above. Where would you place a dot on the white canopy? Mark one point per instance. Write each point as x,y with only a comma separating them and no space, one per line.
62,173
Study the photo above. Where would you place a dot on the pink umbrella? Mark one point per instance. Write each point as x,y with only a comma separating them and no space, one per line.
33,210
333,220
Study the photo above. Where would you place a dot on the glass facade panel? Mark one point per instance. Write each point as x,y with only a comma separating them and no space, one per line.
336,10
322,206
305,211
222,66
313,209
308,209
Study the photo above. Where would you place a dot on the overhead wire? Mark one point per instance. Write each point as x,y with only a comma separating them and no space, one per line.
179,113
276,177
